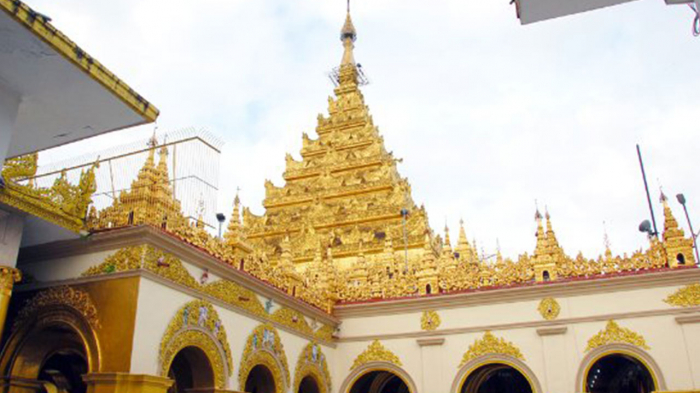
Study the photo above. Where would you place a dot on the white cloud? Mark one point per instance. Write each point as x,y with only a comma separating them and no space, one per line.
487,114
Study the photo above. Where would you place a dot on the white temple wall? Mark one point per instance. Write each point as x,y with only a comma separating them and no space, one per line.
555,359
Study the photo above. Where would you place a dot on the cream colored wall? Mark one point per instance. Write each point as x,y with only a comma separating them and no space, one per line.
159,303
554,359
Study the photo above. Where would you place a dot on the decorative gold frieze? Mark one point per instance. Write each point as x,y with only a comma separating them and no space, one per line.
62,296
197,324
549,308
687,296
430,320
264,346
613,333
490,344
312,361
375,352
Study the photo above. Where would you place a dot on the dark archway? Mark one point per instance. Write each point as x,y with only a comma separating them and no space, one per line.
64,369
618,373
190,369
260,380
379,382
309,385
496,378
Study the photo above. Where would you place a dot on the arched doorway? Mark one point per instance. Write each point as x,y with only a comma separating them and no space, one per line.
379,381
496,378
309,385
619,373
55,353
190,369
260,380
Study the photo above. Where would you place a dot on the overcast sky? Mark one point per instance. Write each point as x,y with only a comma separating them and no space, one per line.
487,114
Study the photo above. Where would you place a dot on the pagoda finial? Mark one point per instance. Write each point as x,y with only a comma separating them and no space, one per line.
348,35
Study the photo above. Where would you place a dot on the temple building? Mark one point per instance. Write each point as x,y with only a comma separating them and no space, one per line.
341,286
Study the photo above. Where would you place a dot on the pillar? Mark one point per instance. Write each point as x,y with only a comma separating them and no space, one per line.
126,383
8,277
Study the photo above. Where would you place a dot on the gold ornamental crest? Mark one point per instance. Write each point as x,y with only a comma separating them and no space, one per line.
549,308
430,320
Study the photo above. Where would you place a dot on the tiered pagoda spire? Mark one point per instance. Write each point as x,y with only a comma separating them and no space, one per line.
150,199
346,189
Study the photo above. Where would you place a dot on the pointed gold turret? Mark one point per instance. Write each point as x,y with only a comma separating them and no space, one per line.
235,237
679,249
150,199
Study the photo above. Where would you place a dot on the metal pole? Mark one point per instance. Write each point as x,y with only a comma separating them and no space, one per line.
690,225
646,188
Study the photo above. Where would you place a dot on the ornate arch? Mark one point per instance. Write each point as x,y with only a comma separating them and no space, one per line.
312,362
366,368
264,347
197,324
471,365
619,348
64,307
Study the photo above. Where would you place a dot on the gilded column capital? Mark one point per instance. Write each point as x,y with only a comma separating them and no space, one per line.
8,277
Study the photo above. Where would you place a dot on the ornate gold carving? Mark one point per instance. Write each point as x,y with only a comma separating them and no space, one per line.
375,352
63,296
312,361
198,324
430,320
549,308
687,296
264,346
613,333
490,344
293,319
63,204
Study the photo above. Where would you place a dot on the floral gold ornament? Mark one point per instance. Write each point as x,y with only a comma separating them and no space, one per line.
375,352
63,296
549,308
612,334
312,361
198,324
430,320
264,347
490,344
688,296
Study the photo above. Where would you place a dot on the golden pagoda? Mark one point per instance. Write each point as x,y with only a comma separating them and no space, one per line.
346,190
